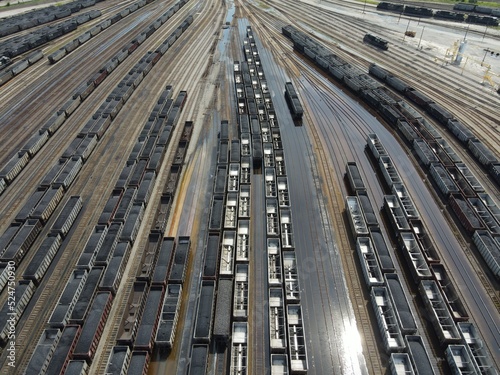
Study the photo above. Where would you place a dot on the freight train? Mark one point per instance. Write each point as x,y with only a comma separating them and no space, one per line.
390,106
444,14
99,270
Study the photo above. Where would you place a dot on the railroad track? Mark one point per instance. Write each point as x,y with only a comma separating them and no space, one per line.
110,161
322,166
167,68
442,86
54,83
326,174
478,171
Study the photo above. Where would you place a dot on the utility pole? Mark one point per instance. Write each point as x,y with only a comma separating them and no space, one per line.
485,30
421,35
486,50
407,27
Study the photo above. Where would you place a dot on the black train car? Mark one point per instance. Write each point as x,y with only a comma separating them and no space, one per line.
376,41
293,101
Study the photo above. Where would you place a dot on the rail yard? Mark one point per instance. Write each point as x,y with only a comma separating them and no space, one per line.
240,187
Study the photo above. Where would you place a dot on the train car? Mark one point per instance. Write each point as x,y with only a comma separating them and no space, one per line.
14,166
397,84
43,258
167,326
93,327
119,360
417,97
10,315
439,313
22,241
29,207
139,362
211,262
376,41
199,359
484,155
132,315
82,304
71,293
223,304
105,252
43,352
64,349
485,216
164,261
369,263
447,287
449,15
68,215
489,248
274,262
172,180
277,328
354,177
146,333
216,213
242,241
149,255
227,254
474,342
460,360
356,217
418,11
291,279
241,284
367,208
8,235
179,265
410,210
490,204
116,266
415,259
381,250
270,182
293,101
239,348
204,312
465,213
419,356
220,179
386,319
35,143
398,297
424,152
297,349
132,223
443,179
231,211
257,152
